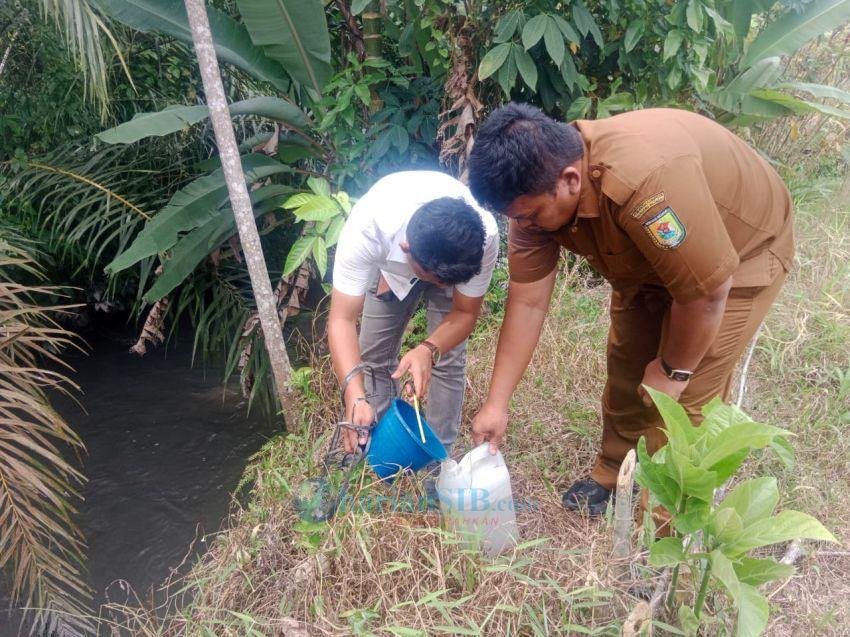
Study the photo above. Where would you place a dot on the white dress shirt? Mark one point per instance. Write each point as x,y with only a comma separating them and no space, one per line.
370,241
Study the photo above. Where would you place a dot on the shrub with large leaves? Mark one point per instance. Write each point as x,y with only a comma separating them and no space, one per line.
713,541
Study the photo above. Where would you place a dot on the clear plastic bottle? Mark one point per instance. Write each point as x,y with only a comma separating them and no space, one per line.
476,498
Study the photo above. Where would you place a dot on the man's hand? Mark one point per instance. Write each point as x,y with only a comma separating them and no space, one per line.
654,376
490,423
362,415
418,362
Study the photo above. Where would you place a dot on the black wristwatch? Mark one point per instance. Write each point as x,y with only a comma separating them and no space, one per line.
680,375
435,351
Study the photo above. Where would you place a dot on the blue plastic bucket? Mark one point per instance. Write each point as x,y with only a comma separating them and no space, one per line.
396,444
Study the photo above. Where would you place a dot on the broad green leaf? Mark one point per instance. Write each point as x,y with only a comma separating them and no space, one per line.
674,78
293,32
567,29
189,208
319,186
586,23
688,620
745,435
527,68
753,499
672,43
727,525
752,612
298,253
554,40
533,30
792,30
358,6
634,32
784,451
317,208
667,551
695,516
717,416
727,467
742,15
196,245
764,73
797,105
343,200
654,477
297,200
579,108
723,26
232,42
493,60
334,230
680,431
694,15
569,73
819,90
176,118
506,26
724,571
507,75
787,525
320,256
756,572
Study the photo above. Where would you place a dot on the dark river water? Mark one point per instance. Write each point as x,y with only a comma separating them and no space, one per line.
166,446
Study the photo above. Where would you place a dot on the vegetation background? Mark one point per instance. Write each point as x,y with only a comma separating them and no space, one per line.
109,179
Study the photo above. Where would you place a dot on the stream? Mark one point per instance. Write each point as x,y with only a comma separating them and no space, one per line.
166,447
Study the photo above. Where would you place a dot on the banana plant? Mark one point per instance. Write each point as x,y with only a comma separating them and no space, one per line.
756,91
714,541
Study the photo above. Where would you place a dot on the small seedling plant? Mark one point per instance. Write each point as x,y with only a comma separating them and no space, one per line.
713,541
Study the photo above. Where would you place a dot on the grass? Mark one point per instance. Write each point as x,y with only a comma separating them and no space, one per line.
399,573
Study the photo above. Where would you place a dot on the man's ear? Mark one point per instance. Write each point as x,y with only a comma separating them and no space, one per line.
405,247
570,178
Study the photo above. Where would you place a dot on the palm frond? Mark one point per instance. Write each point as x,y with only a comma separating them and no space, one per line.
40,544
82,28
86,205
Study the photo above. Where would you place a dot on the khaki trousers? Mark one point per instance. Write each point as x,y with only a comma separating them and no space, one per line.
640,323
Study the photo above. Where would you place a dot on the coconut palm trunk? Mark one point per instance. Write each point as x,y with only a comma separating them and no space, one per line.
241,204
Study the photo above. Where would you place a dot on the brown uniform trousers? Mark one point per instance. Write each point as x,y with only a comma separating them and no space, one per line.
639,323
672,204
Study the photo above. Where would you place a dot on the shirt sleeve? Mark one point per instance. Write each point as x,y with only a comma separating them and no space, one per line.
531,255
358,253
673,220
477,285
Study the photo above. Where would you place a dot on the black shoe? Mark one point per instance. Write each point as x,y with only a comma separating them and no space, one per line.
587,496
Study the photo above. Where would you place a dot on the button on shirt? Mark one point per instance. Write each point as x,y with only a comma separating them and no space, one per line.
370,241
668,198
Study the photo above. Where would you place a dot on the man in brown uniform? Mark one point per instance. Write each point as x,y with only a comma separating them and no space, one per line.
691,227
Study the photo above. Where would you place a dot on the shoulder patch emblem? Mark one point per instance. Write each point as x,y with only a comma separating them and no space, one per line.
666,229
648,203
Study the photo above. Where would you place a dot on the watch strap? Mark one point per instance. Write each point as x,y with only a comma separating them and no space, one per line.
679,375
435,351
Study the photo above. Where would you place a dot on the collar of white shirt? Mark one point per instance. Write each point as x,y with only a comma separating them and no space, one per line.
397,271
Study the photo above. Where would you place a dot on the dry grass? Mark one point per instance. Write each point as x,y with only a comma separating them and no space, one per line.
400,573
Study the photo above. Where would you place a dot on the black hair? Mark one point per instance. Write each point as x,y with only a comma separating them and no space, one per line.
519,150
446,238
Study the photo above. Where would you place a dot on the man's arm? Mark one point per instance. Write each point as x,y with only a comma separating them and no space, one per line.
455,328
693,328
345,354
526,310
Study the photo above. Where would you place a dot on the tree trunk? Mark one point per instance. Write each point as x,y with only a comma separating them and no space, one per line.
241,203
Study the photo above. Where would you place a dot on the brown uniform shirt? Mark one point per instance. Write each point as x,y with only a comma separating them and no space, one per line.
668,198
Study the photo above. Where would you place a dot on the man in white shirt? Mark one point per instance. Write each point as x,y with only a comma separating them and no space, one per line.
414,234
